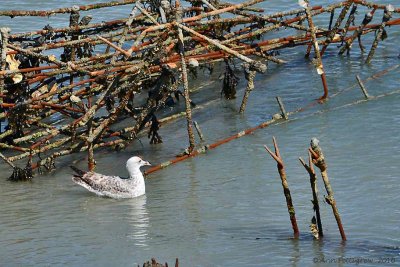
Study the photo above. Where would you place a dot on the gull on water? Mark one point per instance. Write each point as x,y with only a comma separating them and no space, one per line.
114,186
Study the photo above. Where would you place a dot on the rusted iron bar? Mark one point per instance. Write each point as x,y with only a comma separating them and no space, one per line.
282,108
114,78
362,86
116,47
244,133
282,173
374,5
259,67
318,62
46,13
199,132
204,148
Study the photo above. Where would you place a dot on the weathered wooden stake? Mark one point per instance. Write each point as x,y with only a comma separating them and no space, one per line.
313,182
281,169
282,108
363,89
319,161
378,35
250,74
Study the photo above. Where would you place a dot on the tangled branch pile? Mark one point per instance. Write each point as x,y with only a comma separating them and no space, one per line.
77,88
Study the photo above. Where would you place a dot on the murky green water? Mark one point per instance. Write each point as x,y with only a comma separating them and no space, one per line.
226,208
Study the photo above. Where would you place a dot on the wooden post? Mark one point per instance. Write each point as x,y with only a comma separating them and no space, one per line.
282,173
319,161
363,89
314,189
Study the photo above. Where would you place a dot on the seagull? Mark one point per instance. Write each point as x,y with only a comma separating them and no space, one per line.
114,186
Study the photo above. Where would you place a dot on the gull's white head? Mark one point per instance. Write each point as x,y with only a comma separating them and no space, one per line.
133,165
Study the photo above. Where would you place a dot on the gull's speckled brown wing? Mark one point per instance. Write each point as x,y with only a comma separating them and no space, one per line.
103,183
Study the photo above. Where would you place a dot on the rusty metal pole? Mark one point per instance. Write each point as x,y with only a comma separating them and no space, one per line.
318,61
362,86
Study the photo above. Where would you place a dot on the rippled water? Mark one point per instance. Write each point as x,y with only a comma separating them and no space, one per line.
226,208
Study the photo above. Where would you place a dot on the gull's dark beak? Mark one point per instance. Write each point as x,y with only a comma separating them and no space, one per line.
146,163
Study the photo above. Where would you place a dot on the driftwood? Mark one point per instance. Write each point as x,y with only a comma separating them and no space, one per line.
319,161
313,182
282,173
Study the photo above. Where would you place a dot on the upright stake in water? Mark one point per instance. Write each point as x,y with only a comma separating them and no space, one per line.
282,108
319,161
250,74
185,79
281,169
318,62
313,182
363,89
199,132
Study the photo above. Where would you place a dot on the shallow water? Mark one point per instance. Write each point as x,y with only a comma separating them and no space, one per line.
226,208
